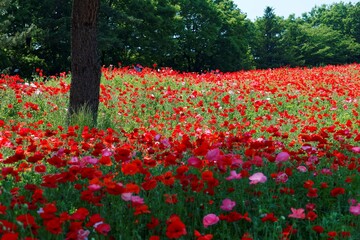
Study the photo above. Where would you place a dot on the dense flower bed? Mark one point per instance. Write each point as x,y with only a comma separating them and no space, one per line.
265,154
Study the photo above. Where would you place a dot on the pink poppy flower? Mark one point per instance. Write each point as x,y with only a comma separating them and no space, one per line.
213,155
126,196
301,169
74,161
352,201
106,153
282,157
236,162
282,178
257,178
210,219
310,206
355,149
195,162
103,228
137,200
157,137
312,159
326,171
166,143
83,234
257,161
91,160
233,175
355,210
307,148
297,213
227,204
94,187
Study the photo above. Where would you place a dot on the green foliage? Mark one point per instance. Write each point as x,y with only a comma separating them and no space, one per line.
233,45
196,34
324,45
326,35
34,36
337,26
352,23
268,50
185,35
291,41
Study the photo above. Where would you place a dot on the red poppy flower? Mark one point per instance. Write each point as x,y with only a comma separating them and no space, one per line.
6,226
269,217
103,228
153,224
105,160
324,185
312,192
80,214
171,198
311,215
345,234
132,188
308,184
141,209
318,229
26,220
149,184
40,168
246,236
175,228
49,211
207,175
168,178
154,237
94,219
54,226
129,169
337,191
199,236
288,191
10,236
2,209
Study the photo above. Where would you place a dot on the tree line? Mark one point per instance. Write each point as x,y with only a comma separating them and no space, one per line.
197,35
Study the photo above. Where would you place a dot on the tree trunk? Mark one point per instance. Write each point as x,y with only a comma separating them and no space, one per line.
85,64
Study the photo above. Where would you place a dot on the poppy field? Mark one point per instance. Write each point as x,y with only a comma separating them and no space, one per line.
261,154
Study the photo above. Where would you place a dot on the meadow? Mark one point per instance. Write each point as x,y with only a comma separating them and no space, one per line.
261,154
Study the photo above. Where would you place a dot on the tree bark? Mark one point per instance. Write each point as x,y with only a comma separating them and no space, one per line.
85,63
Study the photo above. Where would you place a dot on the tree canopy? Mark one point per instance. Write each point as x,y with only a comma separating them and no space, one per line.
198,35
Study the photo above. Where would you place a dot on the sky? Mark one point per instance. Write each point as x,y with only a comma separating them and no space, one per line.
255,8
